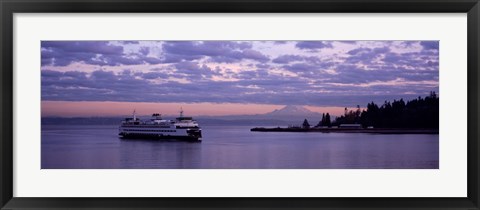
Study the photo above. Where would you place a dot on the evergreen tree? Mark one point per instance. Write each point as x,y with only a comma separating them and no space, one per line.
327,120
322,123
305,124
416,113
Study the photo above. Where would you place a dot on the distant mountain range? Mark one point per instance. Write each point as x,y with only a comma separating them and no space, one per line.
288,115
292,111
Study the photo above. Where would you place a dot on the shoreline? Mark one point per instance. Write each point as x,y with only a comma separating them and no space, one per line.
350,130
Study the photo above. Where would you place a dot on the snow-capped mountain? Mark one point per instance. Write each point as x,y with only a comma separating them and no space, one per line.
292,110
288,115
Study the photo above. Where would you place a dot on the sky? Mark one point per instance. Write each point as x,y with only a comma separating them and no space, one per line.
106,78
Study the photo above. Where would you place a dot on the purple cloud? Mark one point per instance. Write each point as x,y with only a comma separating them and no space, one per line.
102,53
96,47
207,48
284,59
240,71
107,86
144,51
313,45
217,51
153,75
262,66
280,42
348,42
430,45
129,42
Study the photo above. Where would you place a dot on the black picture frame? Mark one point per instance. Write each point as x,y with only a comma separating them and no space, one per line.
10,7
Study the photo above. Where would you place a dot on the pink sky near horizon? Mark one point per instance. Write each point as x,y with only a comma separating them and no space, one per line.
108,108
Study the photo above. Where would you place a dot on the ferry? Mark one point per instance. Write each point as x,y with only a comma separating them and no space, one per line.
182,128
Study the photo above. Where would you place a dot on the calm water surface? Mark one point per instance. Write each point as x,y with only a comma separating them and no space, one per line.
235,147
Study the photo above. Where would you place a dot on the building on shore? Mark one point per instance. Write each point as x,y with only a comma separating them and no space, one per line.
353,126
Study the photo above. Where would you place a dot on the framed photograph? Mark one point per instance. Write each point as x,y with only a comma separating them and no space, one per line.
229,105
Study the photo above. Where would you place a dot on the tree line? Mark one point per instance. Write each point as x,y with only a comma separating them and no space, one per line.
416,113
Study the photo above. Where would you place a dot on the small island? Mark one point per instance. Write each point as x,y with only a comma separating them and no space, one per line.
417,116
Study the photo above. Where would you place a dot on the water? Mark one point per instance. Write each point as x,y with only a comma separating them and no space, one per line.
235,147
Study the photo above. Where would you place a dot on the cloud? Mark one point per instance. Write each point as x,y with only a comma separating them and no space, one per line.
217,51
366,55
174,58
262,65
280,42
102,53
284,59
194,69
301,67
144,50
206,48
153,75
348,42
430,45
129,42
239,71
96,47
313,45
254,55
